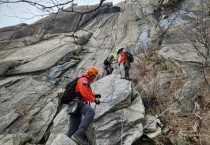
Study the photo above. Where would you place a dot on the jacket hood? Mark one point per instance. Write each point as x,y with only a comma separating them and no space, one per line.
88,77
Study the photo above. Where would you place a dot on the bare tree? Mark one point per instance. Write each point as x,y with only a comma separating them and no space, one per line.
56,6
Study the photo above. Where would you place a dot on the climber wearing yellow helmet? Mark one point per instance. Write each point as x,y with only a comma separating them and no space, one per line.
108,63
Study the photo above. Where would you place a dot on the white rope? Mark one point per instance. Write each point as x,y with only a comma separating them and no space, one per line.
140,130
122,131
113,89
122,121
161,113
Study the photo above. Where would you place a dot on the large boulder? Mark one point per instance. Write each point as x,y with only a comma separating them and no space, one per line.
116,94
120,107
123,125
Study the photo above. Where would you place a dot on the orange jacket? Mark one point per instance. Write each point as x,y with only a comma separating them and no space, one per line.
83,86
123,58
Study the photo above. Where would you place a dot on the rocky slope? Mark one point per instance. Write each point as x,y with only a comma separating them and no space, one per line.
168,94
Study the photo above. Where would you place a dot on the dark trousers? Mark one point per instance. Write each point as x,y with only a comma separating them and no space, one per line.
77,124
126,69
108,69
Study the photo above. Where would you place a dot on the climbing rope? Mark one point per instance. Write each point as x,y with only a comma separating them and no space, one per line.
113,89
109,102
93,137
112,93
122,130
148,123
123,117
161,113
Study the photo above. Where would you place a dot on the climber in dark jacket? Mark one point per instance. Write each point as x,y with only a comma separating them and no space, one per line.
109,62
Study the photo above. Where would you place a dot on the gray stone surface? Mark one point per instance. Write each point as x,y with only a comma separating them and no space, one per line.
30,106
62,139
116,94
26,106
163,79
14,139
187,58
6,65
60,125
43,62
83,39
25,41
151,123
187,93
183,52
109,128
58,70
154,134
32,52
20,94
41,122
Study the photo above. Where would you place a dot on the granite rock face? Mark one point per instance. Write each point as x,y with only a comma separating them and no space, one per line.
38,60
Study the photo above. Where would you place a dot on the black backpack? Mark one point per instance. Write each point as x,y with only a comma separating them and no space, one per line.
106,61
69,93
129,56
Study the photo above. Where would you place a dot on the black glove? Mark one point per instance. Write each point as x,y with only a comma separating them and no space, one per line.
98,96
97,102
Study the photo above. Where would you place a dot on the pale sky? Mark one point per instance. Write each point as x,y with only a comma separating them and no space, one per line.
12,14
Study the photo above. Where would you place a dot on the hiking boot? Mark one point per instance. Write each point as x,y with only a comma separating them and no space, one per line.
79,140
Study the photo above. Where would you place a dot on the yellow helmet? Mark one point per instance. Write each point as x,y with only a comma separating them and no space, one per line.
114,55
93,71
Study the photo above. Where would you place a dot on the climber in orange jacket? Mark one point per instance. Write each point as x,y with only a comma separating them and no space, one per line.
83,87
123,60
77,125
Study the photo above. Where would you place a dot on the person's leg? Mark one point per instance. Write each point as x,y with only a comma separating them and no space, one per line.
107,70
89,114
126,72
126,69
74,122
112,69
122,70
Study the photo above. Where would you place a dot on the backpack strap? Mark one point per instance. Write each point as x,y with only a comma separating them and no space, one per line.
78,94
